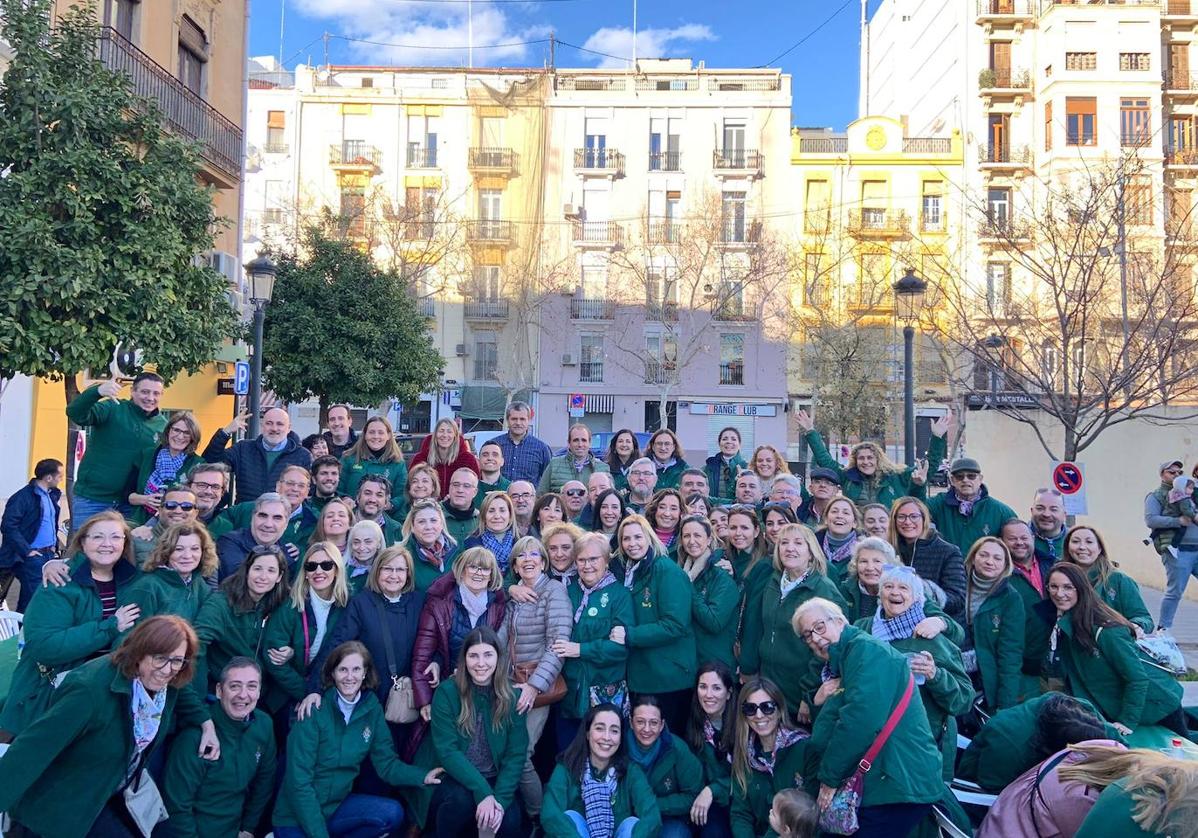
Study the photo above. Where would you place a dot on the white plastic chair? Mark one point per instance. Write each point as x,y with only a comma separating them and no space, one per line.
948,829
10,623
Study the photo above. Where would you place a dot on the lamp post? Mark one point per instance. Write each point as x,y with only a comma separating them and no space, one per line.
994,343
908,302
261,273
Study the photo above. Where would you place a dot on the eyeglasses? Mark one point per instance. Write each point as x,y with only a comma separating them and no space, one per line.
575,493
457,484
295,484
163,661
478,568
393,571
105,538
914,516
521,495
965,475
208,487
181,431
185,505
587,560
817,628
326,565
765,708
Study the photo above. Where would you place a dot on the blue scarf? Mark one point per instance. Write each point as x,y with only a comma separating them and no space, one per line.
644,757
147,714
500,546
897,628
597,795
166,469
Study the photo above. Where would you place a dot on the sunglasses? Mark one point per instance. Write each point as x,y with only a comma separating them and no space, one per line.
575,493
326,565
765,708
185,505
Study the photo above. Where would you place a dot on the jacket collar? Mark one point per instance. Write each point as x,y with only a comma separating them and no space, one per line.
122,572
951,499
459,514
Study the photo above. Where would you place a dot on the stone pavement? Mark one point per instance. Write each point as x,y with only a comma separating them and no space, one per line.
1185,630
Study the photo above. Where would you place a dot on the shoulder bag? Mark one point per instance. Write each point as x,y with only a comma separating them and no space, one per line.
400,708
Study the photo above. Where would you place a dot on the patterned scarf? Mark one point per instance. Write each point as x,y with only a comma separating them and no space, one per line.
435,555
597,795
841,553
166,469
711,735
787,585
500,546
579,465
147,714
965,507
763,762
608,579
899,627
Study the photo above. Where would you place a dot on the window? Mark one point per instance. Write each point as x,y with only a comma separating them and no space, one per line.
590,359
1050,364
813,280
930,218
732,359
998,207
125,19
873,204
353,209
490,213
422,140
1134,122
193,55
276,196
733,216
1137,201
1048,126
486,356
1081,61
998,288
1130,61
733,151
594,282
1179,67
661,357
485,287
276,126
1181,143
1081,116
873,281
1180,203
661,292
595,140
420,210
816,208
665,140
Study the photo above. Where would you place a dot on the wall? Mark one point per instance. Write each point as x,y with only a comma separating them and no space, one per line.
1120,469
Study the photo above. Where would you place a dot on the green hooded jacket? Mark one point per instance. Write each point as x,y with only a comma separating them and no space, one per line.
998,640
661,643
425,573
633,797
1113,816
225,634
751,805
714,611
985,518
163,591
118,432
353,470
675,774
508,743
460,525
1122,593
878,488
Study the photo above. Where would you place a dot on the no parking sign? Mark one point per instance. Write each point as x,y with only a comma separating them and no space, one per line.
1070,480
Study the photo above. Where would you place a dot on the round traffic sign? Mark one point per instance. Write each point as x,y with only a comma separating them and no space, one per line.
1067,477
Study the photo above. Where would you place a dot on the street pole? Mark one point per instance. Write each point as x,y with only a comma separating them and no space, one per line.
909,394
256,383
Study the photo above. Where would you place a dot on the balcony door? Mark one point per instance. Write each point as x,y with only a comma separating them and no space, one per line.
997,132
734,142
1000,62
596,142
490,211
1179,66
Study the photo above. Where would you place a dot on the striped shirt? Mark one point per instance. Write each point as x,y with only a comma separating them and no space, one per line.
107,593
523,460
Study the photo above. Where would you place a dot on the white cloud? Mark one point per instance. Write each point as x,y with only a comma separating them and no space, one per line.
650,43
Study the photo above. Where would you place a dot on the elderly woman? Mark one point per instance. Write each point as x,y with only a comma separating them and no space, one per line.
994,625
429,543
714,598
375,452
65,774
365,543
549,509
867,683
1085,548
530,629
446,451
165,463
934,559
768,755
497,530
936,663
769,647
423,482
841,522
173,578
559,550
862,587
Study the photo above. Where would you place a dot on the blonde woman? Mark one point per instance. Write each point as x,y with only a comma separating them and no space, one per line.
374,452
423,482
446,451
1143,793
995,620
333,524
428,541
767,463
174,578
496,528
767,755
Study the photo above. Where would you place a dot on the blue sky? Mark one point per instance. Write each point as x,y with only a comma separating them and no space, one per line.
725,34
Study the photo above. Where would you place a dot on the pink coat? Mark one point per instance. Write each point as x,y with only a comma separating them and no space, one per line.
1057,810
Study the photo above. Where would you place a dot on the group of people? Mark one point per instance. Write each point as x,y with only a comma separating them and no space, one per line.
315,637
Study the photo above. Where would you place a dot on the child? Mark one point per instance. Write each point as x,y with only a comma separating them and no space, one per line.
1181,503
794,815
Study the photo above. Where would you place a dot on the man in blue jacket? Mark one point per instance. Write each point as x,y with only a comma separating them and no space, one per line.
29,529
258,464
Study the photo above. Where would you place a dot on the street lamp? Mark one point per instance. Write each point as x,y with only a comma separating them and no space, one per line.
908,302
994,343
261,273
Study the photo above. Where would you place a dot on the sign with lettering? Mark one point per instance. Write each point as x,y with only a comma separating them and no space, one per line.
726,409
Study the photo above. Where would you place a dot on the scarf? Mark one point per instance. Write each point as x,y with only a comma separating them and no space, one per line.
787,585
900,627
644,757
500,546
694,567
660,466
147,714
564,576
608,579
839,551
278,447
435,555
475,604
597,795
979,589
630,573
166,469
763,762
666,536
579,465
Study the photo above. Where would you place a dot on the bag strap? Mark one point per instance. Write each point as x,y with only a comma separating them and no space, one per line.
1044,771
887,729
387,642
307,642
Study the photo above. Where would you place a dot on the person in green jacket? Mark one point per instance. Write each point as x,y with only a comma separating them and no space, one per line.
714,597
375,452
429,543
480,738
119,430
293,484
944,686
595,664
840,531
1085,548
1145,794
769,647
768,756
62,777
661,644
325,751
66,626
860,586
229,795
674,772
710,732
1099,657
490,465
576,463
178,506
867,681
174,579
665,450
374,503
995,622
966,512
722,467
366,541
870,476
595,788
164,464
747,553
461,517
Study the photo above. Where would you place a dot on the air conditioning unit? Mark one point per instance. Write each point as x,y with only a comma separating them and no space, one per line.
460,350
226,265
568,360
571,210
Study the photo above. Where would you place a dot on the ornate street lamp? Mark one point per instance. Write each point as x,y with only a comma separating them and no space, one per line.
261,273
908,304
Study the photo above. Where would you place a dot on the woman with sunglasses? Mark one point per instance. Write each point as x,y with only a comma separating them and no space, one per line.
715,600
673,771
429,543
664,513
165,463
497,530
711,732
549,509
174,579
767,756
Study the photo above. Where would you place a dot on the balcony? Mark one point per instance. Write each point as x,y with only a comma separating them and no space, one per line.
582,308
422,157
739,233
276,148
183,112
598,233
1004,84
659,312
1004,12
427,307
664,232
494,161
1005,157
1181,158
418,230
660,372
1004,231
732,373
1181,86
489,231
486,309
274,215
736,162
665,161
823,145
590,372
927,145
878,223
731,310
1181,9
354,155
599,162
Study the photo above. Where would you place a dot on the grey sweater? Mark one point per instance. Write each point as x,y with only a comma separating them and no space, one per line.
535,625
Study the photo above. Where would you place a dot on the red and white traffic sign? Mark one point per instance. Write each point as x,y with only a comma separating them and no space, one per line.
1070,480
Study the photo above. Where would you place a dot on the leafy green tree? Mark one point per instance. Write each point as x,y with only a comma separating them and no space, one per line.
101,214
341,329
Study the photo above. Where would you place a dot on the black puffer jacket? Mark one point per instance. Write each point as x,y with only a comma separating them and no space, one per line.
247,458
936,560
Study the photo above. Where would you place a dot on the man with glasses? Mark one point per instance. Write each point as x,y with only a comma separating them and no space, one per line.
576,463
1163,519
524,456
461,518
210,482
269,522
642,480
524,497
966,512
576,498
178,507
787,489
294,485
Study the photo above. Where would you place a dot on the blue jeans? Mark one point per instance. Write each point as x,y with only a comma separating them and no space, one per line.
675,828
29,573
890,820
1178,570
358,816
623,830
83,508
718,824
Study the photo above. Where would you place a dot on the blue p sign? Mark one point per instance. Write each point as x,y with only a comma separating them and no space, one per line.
241,378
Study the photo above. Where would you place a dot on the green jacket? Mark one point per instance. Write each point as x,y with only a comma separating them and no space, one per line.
601,663
1114,680
289,627
717,775
675,775
58,774
769,646
324,756
1112,816
225,634
353,470
751,806
64,628
873,678
633,797
862,604
998,638
878,487
298,531
118,432
223,796
561,471
500,485
508,744
714,609
1122,593
163,591
145,467
669,478
426,574
460,525
661,644
986,518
